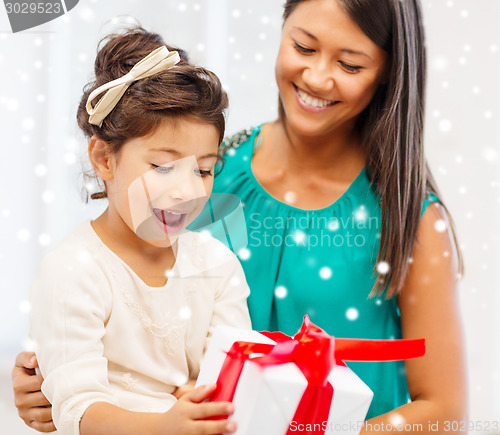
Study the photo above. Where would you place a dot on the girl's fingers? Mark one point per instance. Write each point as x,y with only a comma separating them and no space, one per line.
211,409
213,427
201,393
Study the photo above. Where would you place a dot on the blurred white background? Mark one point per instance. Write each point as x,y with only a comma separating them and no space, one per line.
43,70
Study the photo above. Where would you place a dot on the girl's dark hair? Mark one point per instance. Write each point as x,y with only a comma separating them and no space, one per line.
183,90
391,129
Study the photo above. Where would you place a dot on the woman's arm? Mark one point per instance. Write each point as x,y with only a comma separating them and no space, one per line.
429,308
36,410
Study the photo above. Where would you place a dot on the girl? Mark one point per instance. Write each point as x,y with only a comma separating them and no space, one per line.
124,306
338,204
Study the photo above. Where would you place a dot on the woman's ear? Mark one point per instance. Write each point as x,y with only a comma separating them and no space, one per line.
101,157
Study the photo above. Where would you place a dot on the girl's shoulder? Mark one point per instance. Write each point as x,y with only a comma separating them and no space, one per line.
77,255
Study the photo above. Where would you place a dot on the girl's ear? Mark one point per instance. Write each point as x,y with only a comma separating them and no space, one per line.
101,157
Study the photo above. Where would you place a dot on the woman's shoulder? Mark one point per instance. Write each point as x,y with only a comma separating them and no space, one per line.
236,155
429,198
236,140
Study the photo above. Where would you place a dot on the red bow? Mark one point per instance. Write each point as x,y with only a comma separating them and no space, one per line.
315,353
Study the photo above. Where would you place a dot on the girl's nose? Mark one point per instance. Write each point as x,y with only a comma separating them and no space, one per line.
186,185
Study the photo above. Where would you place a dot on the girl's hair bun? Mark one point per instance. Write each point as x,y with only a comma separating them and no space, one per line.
119,52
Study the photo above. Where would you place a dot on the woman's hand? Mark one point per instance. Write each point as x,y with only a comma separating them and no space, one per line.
32,406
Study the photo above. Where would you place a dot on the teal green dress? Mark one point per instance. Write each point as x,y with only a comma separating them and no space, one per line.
318,263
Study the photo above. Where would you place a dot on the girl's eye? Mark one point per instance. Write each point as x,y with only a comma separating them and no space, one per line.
162,169
203,173
350,68
302,49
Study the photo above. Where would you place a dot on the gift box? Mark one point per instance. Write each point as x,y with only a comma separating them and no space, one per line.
282,385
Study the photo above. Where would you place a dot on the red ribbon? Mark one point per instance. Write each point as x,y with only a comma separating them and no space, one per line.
315,353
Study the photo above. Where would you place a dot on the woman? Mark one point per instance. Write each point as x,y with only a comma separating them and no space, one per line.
337,195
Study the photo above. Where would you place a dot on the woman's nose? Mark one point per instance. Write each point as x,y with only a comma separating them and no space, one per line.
319,77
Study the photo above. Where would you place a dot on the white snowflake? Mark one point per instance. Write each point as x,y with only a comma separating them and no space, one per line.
86,13
352,314
23,235
440,225
360,214
12,104
300,238
244,254
70,158
40,170
325,273
290,197
440,63
48,196
280,292
28,124
383,267
25,306
185,313
44,239
445,125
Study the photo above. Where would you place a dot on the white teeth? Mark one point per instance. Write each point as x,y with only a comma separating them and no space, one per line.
173,212
311,101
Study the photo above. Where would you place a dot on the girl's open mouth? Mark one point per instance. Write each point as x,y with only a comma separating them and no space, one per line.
169,220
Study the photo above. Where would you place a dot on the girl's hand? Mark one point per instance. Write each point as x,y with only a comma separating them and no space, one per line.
183,389
189,415
32,406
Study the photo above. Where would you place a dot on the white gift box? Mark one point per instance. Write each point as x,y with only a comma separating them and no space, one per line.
266,398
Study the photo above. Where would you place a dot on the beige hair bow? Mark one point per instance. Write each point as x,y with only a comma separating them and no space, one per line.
156,61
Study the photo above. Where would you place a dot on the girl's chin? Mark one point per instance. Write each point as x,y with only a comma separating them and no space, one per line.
162,243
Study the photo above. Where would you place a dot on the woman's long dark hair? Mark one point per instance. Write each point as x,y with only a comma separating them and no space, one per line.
391,128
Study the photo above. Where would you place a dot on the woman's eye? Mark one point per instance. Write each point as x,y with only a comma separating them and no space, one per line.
203,173
350,68
302,49
162,169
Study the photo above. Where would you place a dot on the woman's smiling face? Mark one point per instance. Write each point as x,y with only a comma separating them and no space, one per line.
327,69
